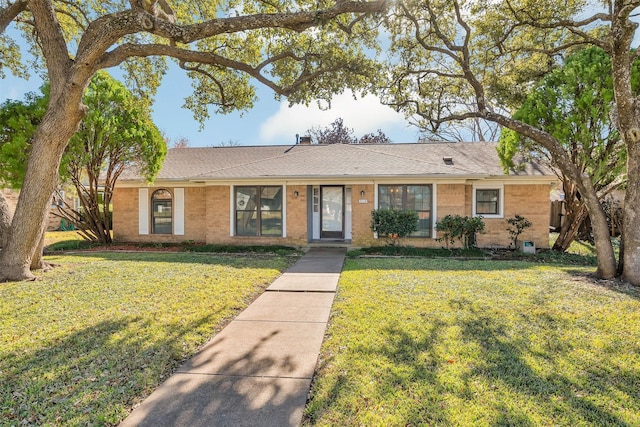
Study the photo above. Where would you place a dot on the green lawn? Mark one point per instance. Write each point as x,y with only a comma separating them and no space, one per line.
93,337
411,341
425,342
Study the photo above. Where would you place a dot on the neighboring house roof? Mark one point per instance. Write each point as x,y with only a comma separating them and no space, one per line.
336,160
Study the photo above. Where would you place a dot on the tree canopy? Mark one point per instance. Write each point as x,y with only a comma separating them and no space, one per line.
18,122
574,104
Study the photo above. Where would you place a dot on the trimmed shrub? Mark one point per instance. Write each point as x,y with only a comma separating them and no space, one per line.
393,224
463,228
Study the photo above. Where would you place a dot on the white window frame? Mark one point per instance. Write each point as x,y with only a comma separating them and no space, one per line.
232,208
144,217
434,200
178,212
488,186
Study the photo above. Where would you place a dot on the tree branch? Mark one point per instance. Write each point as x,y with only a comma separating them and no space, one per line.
81,21
10,13
105,31
53,44
220,86
137,20
573,26
189,56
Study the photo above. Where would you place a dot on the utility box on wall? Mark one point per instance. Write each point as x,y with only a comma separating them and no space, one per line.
527,247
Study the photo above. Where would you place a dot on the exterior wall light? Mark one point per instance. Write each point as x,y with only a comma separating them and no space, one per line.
296,194
362,193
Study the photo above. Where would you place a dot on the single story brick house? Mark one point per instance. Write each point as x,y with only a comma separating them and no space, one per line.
306,193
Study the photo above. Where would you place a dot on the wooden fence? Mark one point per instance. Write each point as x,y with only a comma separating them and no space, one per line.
555,220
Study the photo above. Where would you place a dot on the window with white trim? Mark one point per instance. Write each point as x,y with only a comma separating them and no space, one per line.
258,210
488,201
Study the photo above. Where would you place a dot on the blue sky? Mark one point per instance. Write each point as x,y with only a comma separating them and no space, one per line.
269,123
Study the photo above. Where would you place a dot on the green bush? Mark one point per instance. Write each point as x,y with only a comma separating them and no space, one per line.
393,224
463,228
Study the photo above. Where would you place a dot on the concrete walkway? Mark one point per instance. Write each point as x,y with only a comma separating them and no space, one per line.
257,371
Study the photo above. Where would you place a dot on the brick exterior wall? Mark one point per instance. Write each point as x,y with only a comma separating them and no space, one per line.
125,215
532,202
361,215
217,214
207,215
451,199
195,213
297,215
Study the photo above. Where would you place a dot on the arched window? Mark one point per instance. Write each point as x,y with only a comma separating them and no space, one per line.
161,216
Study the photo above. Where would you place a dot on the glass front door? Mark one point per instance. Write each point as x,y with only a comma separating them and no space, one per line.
332,217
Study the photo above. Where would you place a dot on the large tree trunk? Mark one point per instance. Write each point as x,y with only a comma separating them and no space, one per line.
5,220
628,124
41,178
631,220
607,267
576,213
37,260
68,80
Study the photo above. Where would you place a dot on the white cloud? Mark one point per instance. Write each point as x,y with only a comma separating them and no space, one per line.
363,115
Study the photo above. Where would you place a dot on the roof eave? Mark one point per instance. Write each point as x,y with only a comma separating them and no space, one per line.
343,178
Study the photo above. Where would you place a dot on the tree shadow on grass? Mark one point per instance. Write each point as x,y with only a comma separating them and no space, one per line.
91,376
615,285
419,362
502,363
414,361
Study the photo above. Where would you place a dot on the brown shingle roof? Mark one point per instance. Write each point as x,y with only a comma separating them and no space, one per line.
336,160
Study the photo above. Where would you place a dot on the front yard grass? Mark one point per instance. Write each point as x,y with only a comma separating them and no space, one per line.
422,342
96,335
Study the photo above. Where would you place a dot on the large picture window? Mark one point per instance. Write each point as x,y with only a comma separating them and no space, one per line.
417,198
258,210
161,214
